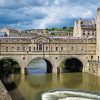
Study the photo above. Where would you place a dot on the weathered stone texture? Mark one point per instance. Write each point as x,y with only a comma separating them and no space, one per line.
3,93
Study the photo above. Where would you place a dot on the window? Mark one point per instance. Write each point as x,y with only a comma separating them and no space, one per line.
98,58
34,48
51,48
40,47
82,48
91,57
56,48
71,48
46,48
18,48
23,48
61,48
12,48
81,22
83,33
6,48
92,33
29,48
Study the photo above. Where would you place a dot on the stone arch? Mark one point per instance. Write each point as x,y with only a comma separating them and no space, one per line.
49,66
71,64
8,72
12,59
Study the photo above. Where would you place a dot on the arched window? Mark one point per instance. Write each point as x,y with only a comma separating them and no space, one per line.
34,48
6,48
46,48
56,48
83,33
61,48
40,46
29,48
51,48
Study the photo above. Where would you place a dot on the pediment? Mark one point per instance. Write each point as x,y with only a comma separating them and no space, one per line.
42,39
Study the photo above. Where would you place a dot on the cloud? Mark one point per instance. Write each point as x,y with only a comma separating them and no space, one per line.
45,13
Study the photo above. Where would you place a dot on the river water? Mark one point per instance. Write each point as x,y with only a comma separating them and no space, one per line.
37,82
29,87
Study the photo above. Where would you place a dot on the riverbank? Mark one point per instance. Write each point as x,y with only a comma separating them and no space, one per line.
3,93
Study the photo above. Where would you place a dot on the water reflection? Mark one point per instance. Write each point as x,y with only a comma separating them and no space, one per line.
26,87
37,66
39,81
31,85
67,80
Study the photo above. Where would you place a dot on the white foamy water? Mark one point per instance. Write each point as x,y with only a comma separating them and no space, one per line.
74,98
69,95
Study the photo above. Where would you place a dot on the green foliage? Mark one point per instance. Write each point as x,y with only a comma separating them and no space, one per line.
7,67
67,29
62,64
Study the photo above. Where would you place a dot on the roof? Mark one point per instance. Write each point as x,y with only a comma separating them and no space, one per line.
88,23
9,28
63,37
3,34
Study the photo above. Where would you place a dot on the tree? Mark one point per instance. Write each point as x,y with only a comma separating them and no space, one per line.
7,67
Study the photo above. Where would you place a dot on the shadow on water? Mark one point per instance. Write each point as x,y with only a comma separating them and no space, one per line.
8,69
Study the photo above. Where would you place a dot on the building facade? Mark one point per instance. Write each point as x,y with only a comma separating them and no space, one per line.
83,44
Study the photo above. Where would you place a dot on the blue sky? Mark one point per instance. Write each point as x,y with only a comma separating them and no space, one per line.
29,14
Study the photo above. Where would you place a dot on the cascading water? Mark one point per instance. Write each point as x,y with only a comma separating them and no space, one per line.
70,95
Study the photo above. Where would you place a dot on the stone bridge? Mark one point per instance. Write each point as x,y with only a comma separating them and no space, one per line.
54,60
53,50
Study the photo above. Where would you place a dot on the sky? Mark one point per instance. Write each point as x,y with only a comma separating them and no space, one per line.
38,14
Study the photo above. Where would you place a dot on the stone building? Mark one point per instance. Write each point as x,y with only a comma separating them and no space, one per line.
10,31
82,45
85,28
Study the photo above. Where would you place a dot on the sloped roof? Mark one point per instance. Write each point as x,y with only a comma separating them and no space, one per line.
3,34
88,22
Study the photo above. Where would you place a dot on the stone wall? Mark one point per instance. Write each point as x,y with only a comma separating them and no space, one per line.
3,93
94,68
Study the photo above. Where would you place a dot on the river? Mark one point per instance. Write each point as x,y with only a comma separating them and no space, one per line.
29,87
37,81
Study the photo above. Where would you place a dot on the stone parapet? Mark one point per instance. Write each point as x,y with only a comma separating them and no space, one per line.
94,67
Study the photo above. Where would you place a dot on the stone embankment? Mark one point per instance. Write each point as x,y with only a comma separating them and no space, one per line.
3,93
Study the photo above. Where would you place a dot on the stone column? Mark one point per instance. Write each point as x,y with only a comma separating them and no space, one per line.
55,70
23,71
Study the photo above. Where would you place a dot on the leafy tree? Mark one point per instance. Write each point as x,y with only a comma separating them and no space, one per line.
7,67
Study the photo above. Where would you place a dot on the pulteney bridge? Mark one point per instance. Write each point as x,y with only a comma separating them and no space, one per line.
54,50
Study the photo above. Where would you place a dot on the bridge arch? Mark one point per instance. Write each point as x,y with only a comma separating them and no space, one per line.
47,68
13,61
71,64
8,66
13,58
